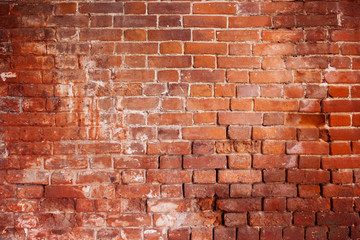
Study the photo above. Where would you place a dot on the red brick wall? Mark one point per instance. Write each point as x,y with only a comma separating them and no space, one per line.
180,120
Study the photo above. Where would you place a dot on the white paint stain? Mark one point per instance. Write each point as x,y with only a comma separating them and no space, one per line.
164,207
123,235
6,75
86,189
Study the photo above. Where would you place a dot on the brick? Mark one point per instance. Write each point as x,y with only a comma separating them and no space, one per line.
128,220
317,48
170,119
135,35
204,162
205,21
269,219
204,61
194,104
61,191
307,63
214,8
240,190
274,161
239,205
270,77
205,176
239,49
169,62
170,48
169,21
308,120
206,190
243,176
340,162
134,8
339,219
239,118
265,49
169,148
198,133
163,206
275,105
101,7
308,191
345,35
165,35
135,21
293,233
274,190
249,21
307,77
238,62
274,133
342,77
308,204
235,220
237,35
203,76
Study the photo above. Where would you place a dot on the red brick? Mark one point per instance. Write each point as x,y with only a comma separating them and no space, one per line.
342,77
101,7
169,148
345,35
241,104
237,35
271,77
269,219
206,190
239,118
249,21
135,21
308,204
240,190
309,191
207,104
195,133
204,162
238,62
339,219
316,20
239,205
63,191
273,161
169,62
169,21
165,35
205,176
265,49
304,219
317,48
128,220
306,63
274,133
282,35
203,76
134,8
201,90
214,8
275,105
205,21
243,176
204,61
274,190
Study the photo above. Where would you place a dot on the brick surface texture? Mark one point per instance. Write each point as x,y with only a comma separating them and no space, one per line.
189,119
